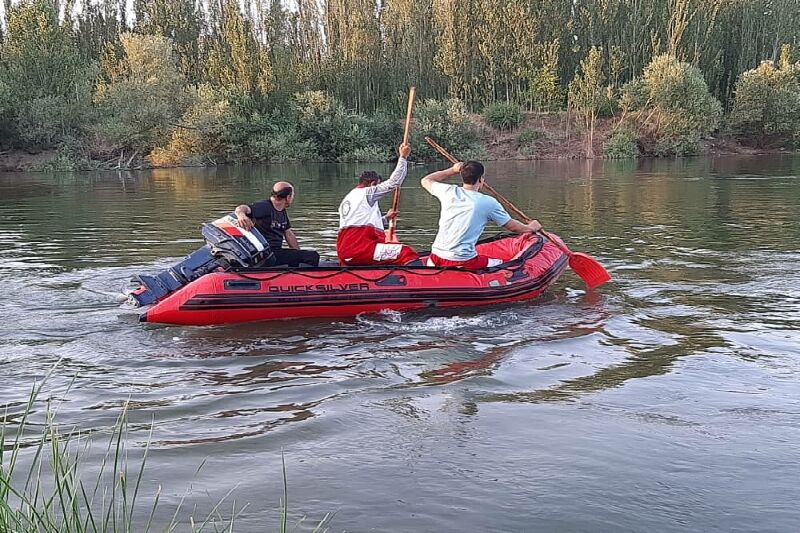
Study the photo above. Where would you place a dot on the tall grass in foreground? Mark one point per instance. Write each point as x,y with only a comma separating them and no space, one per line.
321,527
53,496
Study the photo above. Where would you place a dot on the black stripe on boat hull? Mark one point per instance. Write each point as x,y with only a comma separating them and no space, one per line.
207,302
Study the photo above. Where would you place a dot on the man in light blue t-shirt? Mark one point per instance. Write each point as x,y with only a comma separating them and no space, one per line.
465,213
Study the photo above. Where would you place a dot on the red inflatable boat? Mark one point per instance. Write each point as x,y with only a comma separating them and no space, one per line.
242,295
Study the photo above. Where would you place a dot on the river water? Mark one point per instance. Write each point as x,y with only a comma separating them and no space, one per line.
669,400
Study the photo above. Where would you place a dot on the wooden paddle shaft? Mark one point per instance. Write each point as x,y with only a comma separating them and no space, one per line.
508,205
523,217
412,95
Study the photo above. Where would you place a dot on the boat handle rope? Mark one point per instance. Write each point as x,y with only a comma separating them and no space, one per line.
336,273
428,271
355,273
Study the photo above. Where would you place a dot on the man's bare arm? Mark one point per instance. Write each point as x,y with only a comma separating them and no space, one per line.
440,175
291,240
395,180
516,226
243,216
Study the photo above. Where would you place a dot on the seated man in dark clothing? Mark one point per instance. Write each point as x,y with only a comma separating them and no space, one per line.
271,219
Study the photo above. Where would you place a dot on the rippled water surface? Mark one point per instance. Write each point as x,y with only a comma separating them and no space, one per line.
669,400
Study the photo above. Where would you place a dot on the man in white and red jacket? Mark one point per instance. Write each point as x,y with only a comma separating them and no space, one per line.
361,239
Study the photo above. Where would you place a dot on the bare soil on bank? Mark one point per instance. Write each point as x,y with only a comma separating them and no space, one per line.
562,137
556,136
21,160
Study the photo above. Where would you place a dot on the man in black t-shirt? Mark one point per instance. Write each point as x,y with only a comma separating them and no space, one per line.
271,219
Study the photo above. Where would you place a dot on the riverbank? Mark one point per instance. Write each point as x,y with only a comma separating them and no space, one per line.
541,136
555,136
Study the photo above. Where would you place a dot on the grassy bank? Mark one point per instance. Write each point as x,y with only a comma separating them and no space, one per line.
550,135
53,493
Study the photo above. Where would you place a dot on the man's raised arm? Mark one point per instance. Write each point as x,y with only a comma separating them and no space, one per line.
395,180
440,175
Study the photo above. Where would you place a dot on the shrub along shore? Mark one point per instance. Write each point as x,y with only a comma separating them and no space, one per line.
232,82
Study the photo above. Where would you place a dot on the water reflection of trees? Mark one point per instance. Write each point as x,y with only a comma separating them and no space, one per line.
244,422
693,198
688,336
271,372
597,205
594,316
294,412
643,362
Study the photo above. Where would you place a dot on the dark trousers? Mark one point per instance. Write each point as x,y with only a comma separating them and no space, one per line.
293,258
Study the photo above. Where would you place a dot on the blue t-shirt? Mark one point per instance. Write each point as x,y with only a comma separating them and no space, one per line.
464,215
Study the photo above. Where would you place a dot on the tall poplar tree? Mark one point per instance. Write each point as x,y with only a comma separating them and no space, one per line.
47,82
586,94
410,49
355,69
235,60
181,21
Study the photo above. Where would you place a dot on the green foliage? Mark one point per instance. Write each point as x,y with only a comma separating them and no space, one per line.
234,60
60,163
446,122
145,97
286,145
318,127
635,95
766,108
621,145
671,108
529,136
608,105
526,140
5,96
369,153
45,86
40,58
785,61
586,88
337,133
72,155
545,92
362,56
313,127
7,130
503,116
250,137
679,87
199,136
54,493
48,120
475,152
258,136
586,94
179,20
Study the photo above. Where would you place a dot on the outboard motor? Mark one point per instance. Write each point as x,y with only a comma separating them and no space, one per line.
227,246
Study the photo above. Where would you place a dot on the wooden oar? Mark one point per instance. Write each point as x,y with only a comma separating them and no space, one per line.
587,267
390,233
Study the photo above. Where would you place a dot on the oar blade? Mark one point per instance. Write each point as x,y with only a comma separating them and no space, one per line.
589,269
